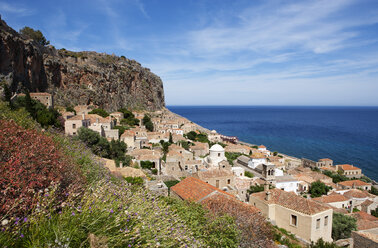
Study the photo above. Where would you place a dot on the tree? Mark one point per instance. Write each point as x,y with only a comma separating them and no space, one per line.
318,189
147,123
7,93
170,138
35,35
191,135
275,153
99,112
373,191
375,212
342,226
29,105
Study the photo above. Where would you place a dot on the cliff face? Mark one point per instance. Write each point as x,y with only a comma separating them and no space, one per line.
107,81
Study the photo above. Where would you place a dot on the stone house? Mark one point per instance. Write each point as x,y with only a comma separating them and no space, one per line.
220,178
200,149
349,170
213,136
72,125
117,115
355,184
369,205
242,184
303,217
325,162
356,197
44,97
287,183
128,137
256,159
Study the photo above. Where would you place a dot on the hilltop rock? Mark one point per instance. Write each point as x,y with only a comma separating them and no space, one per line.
107,81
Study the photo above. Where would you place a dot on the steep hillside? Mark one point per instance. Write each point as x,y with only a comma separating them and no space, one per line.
107,81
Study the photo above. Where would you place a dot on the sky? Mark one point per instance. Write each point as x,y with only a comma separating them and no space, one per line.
213,52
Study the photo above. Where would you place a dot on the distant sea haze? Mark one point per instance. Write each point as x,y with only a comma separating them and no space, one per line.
347,135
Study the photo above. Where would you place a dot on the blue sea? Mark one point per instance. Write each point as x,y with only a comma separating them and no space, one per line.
344,134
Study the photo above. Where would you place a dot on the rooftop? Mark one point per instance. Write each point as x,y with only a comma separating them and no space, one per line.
357,183
194,189
215,173
347,167
331,198
285,178
292,201
356,193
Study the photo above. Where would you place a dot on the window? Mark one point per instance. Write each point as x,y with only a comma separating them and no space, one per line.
186,167
293,220
218,154
73,126
228,181
74,133
317,223
326,221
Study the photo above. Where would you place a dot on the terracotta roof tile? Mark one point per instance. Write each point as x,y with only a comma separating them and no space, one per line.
292,201
331,198
194,189
347,167
325,159
357,183
356,193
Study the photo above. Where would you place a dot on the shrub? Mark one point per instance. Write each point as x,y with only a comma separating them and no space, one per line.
29,162
99,112
148,123
146,164
255,189
342,226
231,156
252,227
248,174
135,180
322,244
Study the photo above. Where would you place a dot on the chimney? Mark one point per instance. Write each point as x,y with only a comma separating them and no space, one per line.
97,120
266,187
120,164
353,185
83,115
267,196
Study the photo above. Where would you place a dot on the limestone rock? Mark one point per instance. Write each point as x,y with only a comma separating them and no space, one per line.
106,81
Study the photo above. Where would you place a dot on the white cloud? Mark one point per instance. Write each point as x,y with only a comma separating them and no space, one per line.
15,9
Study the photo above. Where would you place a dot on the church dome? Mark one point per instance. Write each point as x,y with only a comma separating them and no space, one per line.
217,148
213,132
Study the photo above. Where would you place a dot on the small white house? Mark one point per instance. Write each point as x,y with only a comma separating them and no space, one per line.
287,183
238,171
256,160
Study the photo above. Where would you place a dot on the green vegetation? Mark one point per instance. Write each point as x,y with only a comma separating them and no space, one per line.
364,179
71,109
342,226
72,54
200,137
375,212
184,144
249,174
128,118
148,123
373,191
135,180
283,237
99,112
98,205
255,189
35,35
44,116
275,153
355,210
322,244
146,164
231,156
336,177
318,189
215,230
121,129
100,146
171,183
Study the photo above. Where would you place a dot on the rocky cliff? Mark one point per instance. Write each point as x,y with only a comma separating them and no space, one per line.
107,81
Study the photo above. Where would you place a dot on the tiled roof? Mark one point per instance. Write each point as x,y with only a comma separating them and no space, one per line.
230,202
92,117
366,203
292,201
194,189
364,216
331,198
348,167
285,178
128,133
356,193
357,183
215,173
262,146
325,159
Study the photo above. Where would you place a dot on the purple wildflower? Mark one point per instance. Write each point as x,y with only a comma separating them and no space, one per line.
21,235
25,219
111,210
73,213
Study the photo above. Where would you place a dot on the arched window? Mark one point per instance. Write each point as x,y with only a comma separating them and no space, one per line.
218,154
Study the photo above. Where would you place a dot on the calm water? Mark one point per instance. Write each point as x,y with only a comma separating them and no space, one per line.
344,134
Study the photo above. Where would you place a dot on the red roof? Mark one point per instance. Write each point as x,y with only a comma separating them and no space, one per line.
357,183
292,201
262,146
194,189
325,159
331,198
347,167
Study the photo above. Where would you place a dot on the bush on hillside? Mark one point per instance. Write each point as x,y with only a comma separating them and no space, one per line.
148,123
99,112
252,226
318,189
249,174
231,156
35,35
30,162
